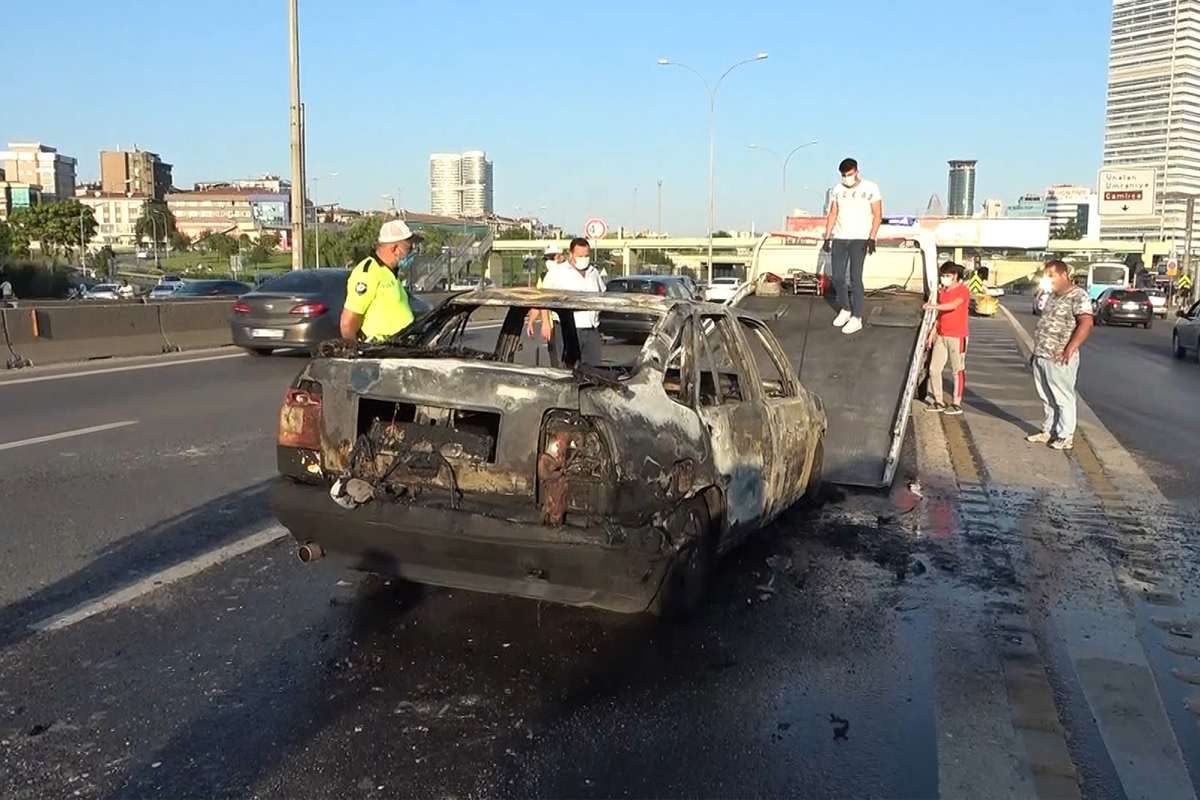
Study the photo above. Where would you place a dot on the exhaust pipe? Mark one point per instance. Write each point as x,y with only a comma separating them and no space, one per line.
310,552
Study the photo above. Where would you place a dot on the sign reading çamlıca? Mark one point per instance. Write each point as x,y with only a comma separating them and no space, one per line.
1127,192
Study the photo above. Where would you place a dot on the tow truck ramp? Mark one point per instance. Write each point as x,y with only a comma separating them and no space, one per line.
866,380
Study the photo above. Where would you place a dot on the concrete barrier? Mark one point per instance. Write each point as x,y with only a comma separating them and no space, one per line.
87,331
192,324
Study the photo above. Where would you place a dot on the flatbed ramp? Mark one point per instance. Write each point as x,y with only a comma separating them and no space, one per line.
864,379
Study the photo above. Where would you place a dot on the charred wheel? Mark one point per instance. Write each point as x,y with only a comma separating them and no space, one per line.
689,577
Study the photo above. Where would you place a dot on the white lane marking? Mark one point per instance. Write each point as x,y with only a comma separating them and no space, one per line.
127,368
158,580
67,434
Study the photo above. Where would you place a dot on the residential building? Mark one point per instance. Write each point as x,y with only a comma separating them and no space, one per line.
35,163
14,195
993,208
1153,108
460,184
1030,204
230,210
116,216
267,183
961,188
134,172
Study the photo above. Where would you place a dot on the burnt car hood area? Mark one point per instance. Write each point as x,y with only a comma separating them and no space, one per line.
449,456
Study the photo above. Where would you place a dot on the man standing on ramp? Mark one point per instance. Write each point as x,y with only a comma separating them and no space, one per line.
855,213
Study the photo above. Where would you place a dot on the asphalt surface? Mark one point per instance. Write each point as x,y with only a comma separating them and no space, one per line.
1147,398
859,648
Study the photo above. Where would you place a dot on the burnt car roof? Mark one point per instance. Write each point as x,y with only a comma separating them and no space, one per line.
594,301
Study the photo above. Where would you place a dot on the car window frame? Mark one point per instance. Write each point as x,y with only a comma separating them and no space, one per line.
747,326
743,368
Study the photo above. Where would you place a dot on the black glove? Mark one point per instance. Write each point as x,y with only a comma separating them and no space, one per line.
870,247
827,245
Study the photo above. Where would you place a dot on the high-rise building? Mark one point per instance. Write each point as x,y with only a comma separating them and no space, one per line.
460,184
135,172
993,208
1153,108
1070,203
1030,204
961,188
38,165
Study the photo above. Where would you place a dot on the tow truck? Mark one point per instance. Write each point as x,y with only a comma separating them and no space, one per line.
867,380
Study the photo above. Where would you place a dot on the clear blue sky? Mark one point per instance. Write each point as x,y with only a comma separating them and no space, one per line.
568,101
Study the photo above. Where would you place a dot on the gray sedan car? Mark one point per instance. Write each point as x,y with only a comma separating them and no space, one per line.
297,310
1186,336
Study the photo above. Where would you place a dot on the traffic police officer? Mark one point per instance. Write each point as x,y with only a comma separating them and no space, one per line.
376,303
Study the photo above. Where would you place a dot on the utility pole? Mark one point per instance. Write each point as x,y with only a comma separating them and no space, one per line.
297,128
659,229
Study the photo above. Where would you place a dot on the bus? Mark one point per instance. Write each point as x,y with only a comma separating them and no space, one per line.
1103,276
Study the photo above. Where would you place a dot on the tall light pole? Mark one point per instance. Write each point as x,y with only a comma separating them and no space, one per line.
317,209
82,244
712,112
659,229
784,165
154,227
297,139
157,215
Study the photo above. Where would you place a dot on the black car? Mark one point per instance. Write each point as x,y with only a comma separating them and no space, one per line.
298,309
636,327
211,288
1125,307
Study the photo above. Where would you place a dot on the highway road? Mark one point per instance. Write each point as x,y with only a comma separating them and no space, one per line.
1147,398
158,637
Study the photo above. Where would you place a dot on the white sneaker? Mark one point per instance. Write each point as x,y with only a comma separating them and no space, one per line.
841,319
853,326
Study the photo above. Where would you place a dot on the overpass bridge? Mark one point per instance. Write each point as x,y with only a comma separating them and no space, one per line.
727,250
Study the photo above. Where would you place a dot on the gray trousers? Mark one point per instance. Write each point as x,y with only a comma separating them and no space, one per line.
590,350
953,351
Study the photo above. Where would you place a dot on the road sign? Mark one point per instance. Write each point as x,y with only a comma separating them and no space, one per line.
1127,192
975,284
595,228
1172,268
1184,282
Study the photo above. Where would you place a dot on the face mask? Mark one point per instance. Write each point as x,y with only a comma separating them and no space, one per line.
405,262
581,263
947,280
549,263
848,180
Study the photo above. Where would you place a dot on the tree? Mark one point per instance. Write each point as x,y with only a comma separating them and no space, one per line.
1068,231
180,241
513,234
224,245
57,227
156,220
269,241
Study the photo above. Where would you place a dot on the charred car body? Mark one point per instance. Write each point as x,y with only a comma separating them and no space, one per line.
442,459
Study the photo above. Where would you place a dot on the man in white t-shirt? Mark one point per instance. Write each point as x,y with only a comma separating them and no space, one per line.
855,212
576,275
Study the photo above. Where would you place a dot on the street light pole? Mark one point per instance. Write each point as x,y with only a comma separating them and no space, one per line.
784,165
658,229
164,219
154,228
82,245
712,130
297,139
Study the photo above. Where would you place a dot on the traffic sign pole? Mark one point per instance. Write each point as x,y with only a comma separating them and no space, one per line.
1187,238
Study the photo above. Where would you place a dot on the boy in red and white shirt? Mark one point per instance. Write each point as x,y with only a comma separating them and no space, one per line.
949,336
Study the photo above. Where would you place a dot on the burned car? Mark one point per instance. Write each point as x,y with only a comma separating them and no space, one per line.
446,456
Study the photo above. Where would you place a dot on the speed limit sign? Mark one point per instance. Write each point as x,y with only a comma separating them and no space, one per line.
595,228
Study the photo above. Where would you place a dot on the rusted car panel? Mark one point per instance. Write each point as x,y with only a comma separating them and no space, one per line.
464,468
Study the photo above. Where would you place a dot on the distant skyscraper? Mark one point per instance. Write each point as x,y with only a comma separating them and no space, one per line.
460,184
961,193
1153,108
934,207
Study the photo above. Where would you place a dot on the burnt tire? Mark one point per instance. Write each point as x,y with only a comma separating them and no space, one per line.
812,492
1177,348
688,581
259,352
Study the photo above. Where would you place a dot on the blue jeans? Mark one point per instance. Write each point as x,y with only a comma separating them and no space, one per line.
846,259
1055,384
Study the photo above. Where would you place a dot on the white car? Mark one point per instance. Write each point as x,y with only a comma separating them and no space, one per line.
164,290
101,291
1158,301
722,290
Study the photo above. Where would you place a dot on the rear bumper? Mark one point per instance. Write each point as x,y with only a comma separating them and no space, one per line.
472,551
308,333
1127,316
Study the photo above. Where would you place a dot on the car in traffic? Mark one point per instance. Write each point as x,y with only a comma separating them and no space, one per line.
1124,307
211,288
445,459
298,309
164,289
101,291
1185,338
633,326
1158,300
722,290
469,283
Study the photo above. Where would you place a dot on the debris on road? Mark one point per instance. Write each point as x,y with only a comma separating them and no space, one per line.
841,727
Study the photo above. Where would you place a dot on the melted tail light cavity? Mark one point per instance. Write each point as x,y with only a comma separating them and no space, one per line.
300,417
574,468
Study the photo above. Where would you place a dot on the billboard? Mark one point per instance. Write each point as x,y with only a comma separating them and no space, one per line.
1069,193
998,234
